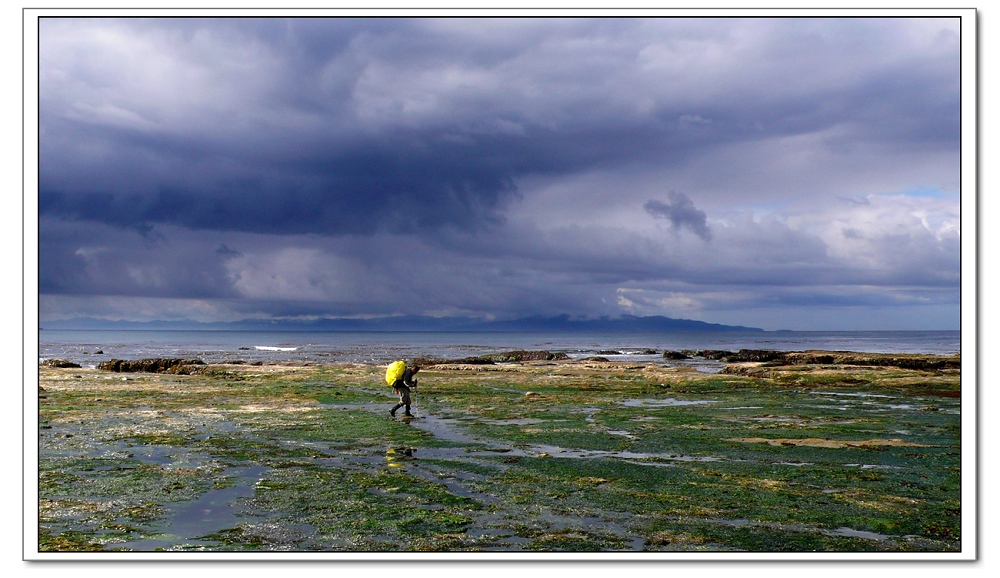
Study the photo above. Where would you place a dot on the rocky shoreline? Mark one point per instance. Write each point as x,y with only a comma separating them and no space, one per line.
803,457
742,362
774,358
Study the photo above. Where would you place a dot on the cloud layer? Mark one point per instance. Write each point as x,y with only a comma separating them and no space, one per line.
751,171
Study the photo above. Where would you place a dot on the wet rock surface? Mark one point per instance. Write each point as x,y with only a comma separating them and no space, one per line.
902,361
59,363
772,358
914,361
516,356
676,355
152,365
544,456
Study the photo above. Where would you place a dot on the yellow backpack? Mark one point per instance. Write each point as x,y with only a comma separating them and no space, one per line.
394,372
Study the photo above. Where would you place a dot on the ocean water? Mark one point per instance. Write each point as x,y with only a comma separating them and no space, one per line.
90,347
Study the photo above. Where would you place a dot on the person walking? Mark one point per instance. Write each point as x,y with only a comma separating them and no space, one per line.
402,387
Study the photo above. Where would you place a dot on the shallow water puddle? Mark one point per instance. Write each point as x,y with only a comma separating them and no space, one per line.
592,411
213,511
729,522
842,531
510,541
851,533
668,402
520,421
850,394
559,452
452,483
441,428
829,443
161,455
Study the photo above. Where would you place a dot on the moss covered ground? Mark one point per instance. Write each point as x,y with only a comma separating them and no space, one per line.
539,456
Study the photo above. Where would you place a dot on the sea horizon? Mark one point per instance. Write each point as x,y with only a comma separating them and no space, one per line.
89,347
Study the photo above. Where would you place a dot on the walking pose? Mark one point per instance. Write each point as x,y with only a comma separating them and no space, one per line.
402,380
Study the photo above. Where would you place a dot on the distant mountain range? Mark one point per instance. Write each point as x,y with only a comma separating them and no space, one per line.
560,323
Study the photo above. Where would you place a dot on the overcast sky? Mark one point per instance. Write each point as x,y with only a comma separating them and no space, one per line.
779,173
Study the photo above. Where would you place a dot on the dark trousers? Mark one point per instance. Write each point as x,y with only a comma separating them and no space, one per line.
404,398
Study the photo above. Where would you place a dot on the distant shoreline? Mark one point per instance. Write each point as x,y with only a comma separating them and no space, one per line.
743,362
414,323
90,347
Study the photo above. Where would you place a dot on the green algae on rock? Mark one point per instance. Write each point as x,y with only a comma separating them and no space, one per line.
603,456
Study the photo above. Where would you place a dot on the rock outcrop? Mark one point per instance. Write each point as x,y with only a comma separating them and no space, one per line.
917,361
60,363
491,358
152,365
766,358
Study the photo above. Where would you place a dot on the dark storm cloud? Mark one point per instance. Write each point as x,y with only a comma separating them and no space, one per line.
97,259
328,126
297,167
356,193
225,250
681,212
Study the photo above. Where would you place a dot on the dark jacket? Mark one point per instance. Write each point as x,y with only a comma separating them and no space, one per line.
406,380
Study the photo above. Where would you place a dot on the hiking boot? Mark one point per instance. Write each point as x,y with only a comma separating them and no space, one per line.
408,414
392,412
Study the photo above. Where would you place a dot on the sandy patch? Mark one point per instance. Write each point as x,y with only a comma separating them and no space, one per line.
260,408
827,443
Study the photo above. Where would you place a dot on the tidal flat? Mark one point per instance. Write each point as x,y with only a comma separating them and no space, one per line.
547,456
